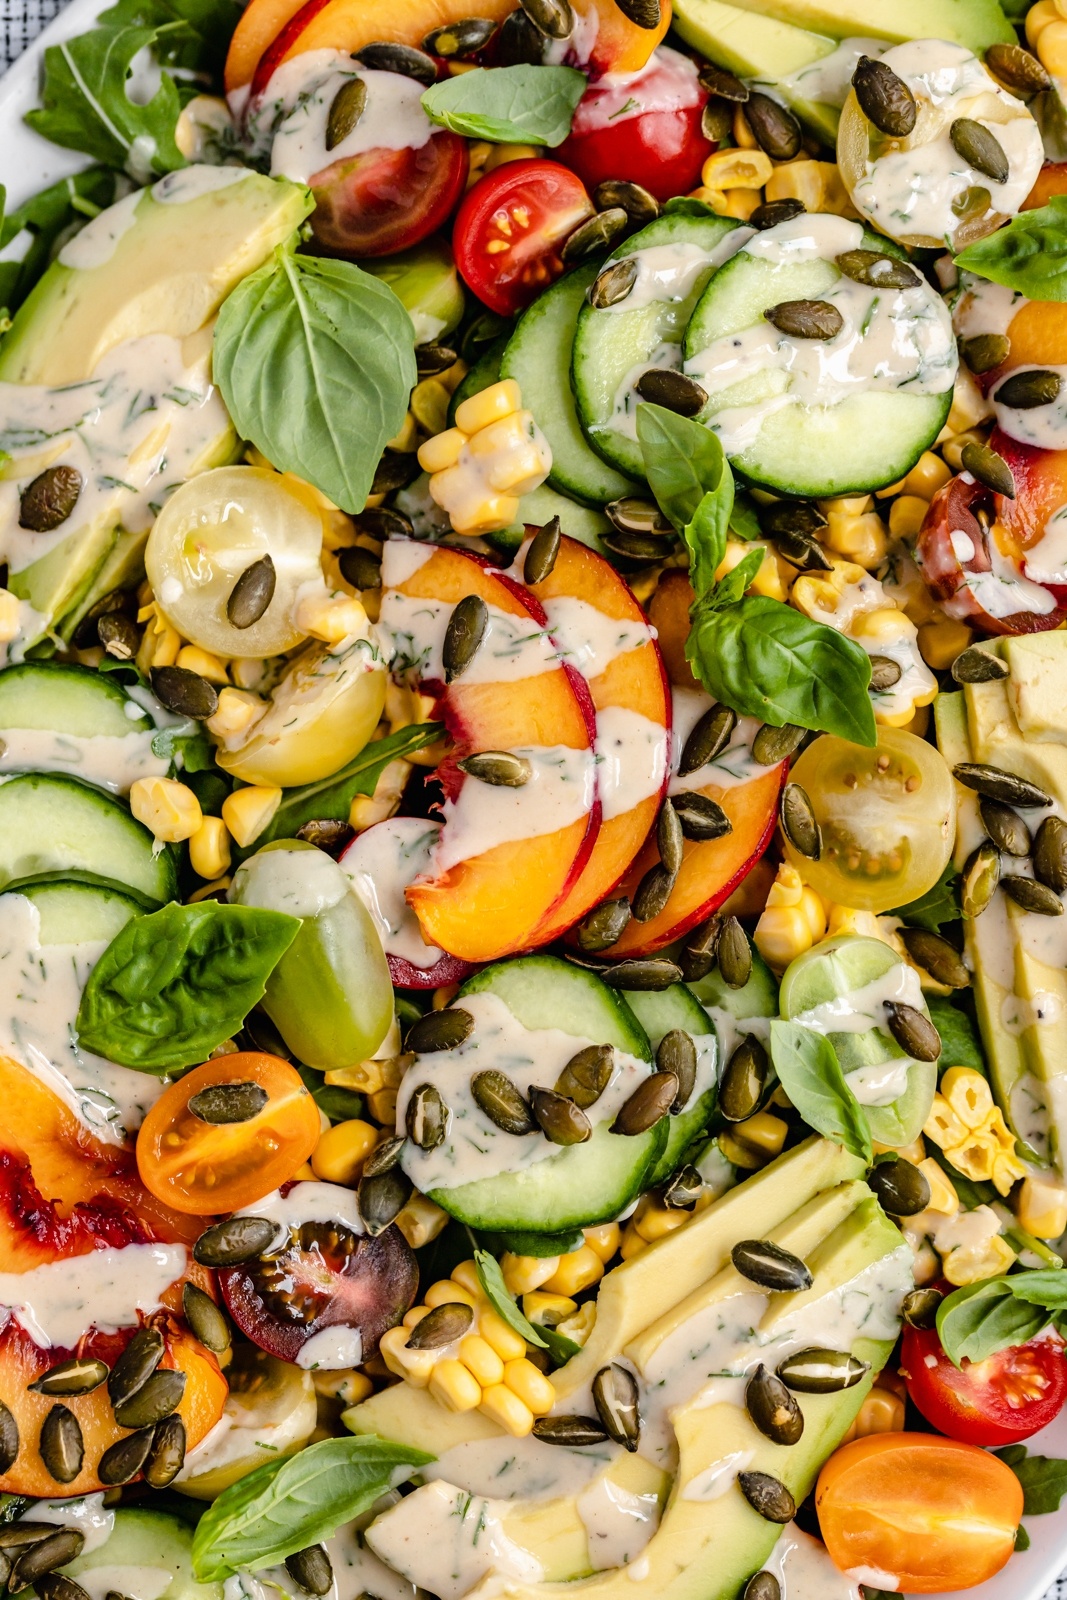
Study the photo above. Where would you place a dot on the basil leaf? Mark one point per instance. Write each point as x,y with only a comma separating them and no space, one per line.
193,34
744,523
706,538
286,1505
960,1044
1029,254
508,105
1022,1538
683,462
497,1293
315,360
762,658
85,107
57,210
1044,1479
175,983
938,905
731,588
811,1076
981,1318
1044,1286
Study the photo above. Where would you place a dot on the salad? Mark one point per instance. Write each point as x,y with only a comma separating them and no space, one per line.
533,801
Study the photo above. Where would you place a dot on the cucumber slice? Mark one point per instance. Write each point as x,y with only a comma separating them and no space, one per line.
585,1183
60,698
871,438
150,1540
617,344
658,1013
538,357
733,1010
53,826
80,913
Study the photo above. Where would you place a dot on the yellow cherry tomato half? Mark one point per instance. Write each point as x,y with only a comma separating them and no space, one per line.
932,1514
200,1165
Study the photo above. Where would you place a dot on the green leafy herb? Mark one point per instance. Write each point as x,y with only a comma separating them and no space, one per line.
1044,1479
744,523
190,749
706,537
508,105
981,1318
315,360
960,1044
811,1076
496,1292
731,587
288,1504
938,905
193,34
1029,255
339,1104
175,983
763,658
683,462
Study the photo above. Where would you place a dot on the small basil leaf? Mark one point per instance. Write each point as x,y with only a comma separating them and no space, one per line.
1044,1479
811,1076
496,1292
744,522
960,1044
683,462
508,105
1028,255
1044,1286
731,588
938,905
981,1318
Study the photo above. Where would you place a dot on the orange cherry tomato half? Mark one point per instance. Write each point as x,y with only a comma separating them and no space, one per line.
220,1166
933,1514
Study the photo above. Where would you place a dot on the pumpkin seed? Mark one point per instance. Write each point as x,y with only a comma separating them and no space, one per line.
980,148
401,58
806,319
772,1407
121,1462
443,1325
16,1535
972,204
79,1375
560,1120
570,1431
519,43
361,568
57,1586
118,635
902,1190
652,894
222,1103
644,547
152,1401
639,205
631,515
767,1495
650,973
384,1157
427,1117
1017,69
716,80
185,692
708,738
9,1444
763,1586
604,926
496,1095
717,121
884,98
669,839
47,502
920,1306
698,952
346,109
1032,896
464,635
676,1053
815,1371
433,358
915,1034
385,522
767,1264
459,39
206,1320
642,13
327,834
775,130
989,468
595,235
803,550
734,954
228,1244
542,552
649,1103
936,956
981,875
877,270
975,665
613,284
790,517
772,212
56,1550
772,745
799,823
684,1189
62,1450
395,470
997,784
1050,854
167,1455
553,18
662,386
616,1398
885,672
381,1198
744,1080
500,768
587,1075
701,817
984,352
145,1350
1026,391
439,1030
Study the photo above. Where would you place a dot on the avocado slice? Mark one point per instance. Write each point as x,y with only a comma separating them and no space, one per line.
974,23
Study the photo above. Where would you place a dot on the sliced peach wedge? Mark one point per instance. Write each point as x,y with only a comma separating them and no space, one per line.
507,854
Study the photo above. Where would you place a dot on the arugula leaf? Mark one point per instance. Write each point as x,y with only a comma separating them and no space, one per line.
938,905
1044,1479
288,1504
175,983
49,219
764,659
811,1076
1029,254
85,107
304,347
981,1318
193,34
960,1044
683,462
499,1296
508,105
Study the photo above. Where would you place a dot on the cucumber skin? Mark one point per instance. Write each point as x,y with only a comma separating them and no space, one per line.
84,796
61,688
677,1007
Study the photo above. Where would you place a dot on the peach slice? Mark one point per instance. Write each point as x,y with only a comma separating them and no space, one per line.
620,45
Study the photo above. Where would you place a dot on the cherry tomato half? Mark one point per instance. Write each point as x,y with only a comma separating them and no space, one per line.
200,1166
383,201
933,1514
511,227
1008,1397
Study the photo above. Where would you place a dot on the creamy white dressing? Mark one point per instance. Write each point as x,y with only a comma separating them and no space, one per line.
1042,1010
302,883
95,244
713,1482
984,307
881,1083
1042,426
561,790
503,1468
190,183
966,1230
1028,1105
381,863
357,1574
827,81
113,762
87,1514
860,1010
588,638
136,1583
1003,590
667,273
915,681
631,754
732,766
1046,561
731,1030
402,558
309,1202
412,630
805,1572
392,120
58,1302
668,82
443,1538
332,1349
618,1522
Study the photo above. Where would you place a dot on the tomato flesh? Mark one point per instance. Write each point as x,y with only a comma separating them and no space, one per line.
511,227
383,201
1007,1397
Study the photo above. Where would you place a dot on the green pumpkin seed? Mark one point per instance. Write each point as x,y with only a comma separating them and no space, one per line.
639,547
594,236
587,1075
1017,69
744,1080
571,1432
772,212
1050,854
185,692
1028,390
265,1036
145,1351
699,950
784,517
613,284
716,80
799,823
359,567
118,635
975,665
717,121
767,1495
152,1401
640,206
980,148
775,130
885,672
734,954
45,1555
384,1157
442,1326
663,386
327,834
496,1095
877,270
456,40
9,1442
936,956
604,926
383,56
981,875
464,635
806,319
542,553
47,502
346,109
649,1103
684,1189
427,1117
652,894
381,1198
560,1120
984,352
765,1263
62,1451
763,1586
677,1053
121,1462
311,1569
701,817
432,359
439,1030
1005,827
15,1535
395,470
222,1103
920,1306
206,1320
553,18
617,1402
57,1586
642,13
803,550
226,1244
79,1375
884,98
1000,785
167,1455
815,1371
650,973
901,1189
772,1407
500,768
707,739
1032,896
772,745
631,515
384,522
518,42
915,1033
669,839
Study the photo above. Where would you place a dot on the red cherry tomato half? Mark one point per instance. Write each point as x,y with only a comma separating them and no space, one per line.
511,227
1007,1397
383,201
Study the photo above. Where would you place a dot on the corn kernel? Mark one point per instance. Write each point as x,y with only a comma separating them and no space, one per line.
927,476
913,1152
744,138
237,710
817,183
740,1155
907,515
632,1243
405,440
739,203
509,1345
783,933
525,1273
248,811
443,451
503,1407
604,1240
330,617
1042,1207
971,1265
429,405
453,1386
344,1384
466,1273
581,1269
209,848
447,1292
420,1221
168,809
1038,18
943,1126
501,154
736,169
763,1132
658,1221
160,645
768,580
881,1412
531,1386
453,376
414,1366
969,1095
499,400
382,1107
412,1318
481,1360
339,1155
890,490
952,446
547,1309
203,663
861,538
1052,48
941,642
